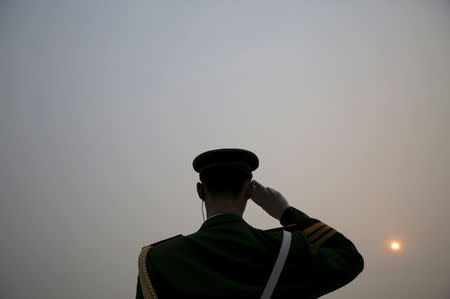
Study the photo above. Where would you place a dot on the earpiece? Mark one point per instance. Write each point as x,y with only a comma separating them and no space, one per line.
202,211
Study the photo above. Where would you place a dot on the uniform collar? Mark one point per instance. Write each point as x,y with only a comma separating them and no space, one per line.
221,219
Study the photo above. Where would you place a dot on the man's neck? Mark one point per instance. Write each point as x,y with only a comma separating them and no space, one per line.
211,216
223,209
213,213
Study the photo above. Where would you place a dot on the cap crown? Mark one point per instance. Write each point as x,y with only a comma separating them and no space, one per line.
226,157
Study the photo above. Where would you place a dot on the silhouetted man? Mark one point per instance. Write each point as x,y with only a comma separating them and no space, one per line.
228,258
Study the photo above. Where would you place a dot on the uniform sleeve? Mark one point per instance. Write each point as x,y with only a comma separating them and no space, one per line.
333,259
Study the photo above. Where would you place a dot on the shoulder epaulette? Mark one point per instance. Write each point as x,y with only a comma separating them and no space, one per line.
165,240
317,233
290,227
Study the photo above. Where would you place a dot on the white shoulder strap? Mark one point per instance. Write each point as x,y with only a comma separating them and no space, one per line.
279,264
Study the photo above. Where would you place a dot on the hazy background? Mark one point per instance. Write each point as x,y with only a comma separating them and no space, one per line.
105,104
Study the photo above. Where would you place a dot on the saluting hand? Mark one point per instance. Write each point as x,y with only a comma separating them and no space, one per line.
269,199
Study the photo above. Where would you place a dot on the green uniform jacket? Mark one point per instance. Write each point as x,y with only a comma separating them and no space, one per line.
228,258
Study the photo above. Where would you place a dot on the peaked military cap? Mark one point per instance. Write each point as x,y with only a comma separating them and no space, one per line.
226,158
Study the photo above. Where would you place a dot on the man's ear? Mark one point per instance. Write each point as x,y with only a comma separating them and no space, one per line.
201,191
249,190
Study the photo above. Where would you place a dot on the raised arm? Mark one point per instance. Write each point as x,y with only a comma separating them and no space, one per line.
333,260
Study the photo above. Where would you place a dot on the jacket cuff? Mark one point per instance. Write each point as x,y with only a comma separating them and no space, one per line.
294,216
314,230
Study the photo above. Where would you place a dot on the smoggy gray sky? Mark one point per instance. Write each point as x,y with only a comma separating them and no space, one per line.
104,105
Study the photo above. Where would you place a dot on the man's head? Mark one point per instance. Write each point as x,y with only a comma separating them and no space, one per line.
225,176
224,183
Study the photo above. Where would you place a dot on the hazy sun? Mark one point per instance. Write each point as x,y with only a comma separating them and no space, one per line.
395,245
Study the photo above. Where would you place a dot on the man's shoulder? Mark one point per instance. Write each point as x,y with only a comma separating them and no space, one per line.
165,241
179,242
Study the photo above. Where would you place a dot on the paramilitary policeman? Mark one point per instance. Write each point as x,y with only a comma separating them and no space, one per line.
228,258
